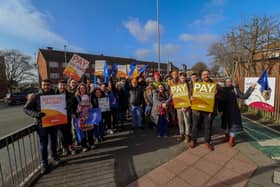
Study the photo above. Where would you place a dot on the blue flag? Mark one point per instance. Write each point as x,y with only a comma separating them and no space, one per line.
143,69
263,81
114,70
105,73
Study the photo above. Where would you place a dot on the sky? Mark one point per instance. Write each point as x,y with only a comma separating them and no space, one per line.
126,28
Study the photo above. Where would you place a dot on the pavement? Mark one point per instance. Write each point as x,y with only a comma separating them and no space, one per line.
141,159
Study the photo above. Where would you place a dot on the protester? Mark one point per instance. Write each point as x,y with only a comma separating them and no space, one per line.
135,101
98,129
65,130
162,103
231,116
148,97
122,101
106,116
202,117
33,109
183,124
80,108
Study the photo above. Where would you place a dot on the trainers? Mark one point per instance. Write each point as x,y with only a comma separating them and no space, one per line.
72,150
85,149
44,170
56,162
65,152
92,147
180,138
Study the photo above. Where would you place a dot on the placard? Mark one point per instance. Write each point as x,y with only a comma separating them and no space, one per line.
99,67
76,67
259,100
180,96
54,106
203,95
122,72
104,104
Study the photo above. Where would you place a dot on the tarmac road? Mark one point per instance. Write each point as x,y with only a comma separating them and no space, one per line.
12,118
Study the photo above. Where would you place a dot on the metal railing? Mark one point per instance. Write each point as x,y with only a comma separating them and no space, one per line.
20,158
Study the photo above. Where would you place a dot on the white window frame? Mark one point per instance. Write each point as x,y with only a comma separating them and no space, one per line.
53,64
54,76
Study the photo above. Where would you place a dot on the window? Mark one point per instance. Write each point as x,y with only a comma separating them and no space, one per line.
54,75
53,64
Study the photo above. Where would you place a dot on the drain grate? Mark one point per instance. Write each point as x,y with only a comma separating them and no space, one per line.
276,177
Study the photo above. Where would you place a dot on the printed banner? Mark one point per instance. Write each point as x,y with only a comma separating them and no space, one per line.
261,99
76,67
99,67
122,72
104,104
203,96
180,96
54,106
92,118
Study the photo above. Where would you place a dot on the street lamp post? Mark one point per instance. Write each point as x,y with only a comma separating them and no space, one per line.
158,35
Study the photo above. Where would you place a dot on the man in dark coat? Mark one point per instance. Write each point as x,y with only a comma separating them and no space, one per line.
33,109
231,116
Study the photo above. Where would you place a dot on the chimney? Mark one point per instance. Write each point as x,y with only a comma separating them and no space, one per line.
49,48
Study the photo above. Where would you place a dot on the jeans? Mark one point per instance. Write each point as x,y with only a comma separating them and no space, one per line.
99,131
44,134
162,126
206,119
183,124
136,112
66,135
88,139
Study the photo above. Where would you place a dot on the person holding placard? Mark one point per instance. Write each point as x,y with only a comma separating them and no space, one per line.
33,109
203,101
80,109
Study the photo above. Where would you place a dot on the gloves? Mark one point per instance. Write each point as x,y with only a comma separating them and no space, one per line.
42,114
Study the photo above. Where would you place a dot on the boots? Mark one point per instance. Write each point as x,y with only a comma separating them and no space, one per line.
226,137
192,144
231,141
209,146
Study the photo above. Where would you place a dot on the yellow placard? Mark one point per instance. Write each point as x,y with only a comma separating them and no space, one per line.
54,108
180,96
203,96
122,71
99,67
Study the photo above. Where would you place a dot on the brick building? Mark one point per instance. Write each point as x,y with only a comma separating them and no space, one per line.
3,79
51,63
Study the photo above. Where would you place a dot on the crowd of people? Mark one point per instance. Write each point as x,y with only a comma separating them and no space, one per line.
147,99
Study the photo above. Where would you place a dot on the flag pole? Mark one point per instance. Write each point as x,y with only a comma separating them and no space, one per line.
158,35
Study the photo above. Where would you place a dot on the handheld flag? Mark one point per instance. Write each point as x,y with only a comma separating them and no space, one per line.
105,72
263,82
133,72
114,70
143,69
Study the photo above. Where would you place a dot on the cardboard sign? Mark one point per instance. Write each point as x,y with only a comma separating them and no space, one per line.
76,67
104,104
180,96
258,99
99,67
203,96
122,71
54,106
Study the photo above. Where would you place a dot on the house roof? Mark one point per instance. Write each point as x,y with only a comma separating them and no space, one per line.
55,55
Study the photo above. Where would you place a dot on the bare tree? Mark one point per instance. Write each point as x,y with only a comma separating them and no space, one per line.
198,67
240,48
18,68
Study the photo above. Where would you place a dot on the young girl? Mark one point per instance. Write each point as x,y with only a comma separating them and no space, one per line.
81,107
162,102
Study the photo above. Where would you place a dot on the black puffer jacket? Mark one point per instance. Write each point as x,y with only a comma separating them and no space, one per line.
136,96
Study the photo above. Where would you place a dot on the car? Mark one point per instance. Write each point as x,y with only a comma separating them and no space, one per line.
18,98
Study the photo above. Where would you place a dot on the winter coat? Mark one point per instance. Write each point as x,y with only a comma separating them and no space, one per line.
231,117
136,96
157,101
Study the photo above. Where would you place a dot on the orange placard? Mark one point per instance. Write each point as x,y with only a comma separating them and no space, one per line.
54,106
